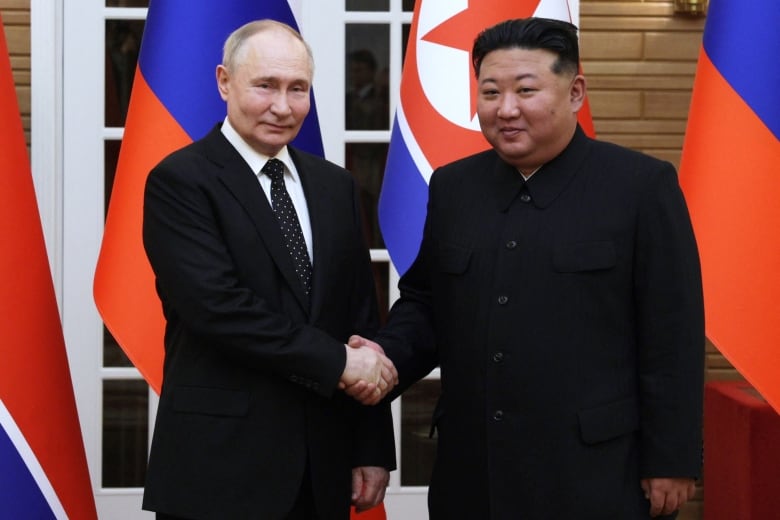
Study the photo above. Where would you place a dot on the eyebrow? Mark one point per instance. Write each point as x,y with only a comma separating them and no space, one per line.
517,78
277,79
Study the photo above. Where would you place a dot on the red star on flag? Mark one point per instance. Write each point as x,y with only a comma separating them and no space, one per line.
460,31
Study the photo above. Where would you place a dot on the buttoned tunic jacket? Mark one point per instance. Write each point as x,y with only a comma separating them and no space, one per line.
566,315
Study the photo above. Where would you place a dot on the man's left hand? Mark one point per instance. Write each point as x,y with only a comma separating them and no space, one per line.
666,495
368,486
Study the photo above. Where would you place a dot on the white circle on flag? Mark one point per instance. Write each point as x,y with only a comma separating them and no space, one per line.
444,71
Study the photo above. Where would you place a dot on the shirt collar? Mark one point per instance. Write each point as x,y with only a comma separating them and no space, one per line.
526,177
254,159
553,178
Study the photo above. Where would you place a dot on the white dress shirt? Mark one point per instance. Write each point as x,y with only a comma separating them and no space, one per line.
292,180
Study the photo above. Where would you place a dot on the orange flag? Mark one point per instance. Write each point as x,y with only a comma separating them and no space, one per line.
730,173
43,468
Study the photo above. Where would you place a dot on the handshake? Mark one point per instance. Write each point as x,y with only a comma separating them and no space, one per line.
368,375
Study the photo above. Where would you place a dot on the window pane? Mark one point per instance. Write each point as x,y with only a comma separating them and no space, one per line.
366,161
418,450
123,41
113,355
368,5
381,277
110,160
405,30
125,432
368,96
408,5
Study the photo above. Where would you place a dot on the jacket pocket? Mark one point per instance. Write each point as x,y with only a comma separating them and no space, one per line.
210,401
584,256
609,421
452,259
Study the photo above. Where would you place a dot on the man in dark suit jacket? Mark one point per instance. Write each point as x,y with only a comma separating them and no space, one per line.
558,288
250,422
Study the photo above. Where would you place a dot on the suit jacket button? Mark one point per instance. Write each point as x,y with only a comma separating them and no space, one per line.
525,198
498,357
502,300
498,415
511,244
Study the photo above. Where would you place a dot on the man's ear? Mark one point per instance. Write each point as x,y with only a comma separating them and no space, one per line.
577,92
223,79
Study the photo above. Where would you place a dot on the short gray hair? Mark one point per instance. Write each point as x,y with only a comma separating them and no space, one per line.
238,38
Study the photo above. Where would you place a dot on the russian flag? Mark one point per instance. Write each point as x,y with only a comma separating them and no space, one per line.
730,173
436,121
43,468
173,102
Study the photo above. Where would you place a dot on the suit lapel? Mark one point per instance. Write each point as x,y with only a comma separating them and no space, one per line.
243,184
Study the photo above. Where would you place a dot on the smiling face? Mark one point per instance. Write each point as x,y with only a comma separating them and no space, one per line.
267,89
527,112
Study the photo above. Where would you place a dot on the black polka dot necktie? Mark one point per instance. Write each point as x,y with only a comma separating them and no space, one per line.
288,221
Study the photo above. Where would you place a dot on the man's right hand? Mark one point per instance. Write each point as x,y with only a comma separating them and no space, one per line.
369,375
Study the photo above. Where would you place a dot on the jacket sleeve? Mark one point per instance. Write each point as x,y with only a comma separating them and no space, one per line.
670,332
409,337
204,296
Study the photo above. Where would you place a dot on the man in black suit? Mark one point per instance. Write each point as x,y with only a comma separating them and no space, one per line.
251,423
558,288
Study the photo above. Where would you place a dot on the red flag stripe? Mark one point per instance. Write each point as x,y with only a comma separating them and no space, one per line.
35,383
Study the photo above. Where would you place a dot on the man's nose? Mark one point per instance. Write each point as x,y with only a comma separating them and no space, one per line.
280,105
508,106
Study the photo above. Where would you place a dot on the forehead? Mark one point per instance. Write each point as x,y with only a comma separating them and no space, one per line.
517,61
275,51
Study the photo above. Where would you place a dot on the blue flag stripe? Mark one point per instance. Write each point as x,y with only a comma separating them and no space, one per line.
20,496
742,40
402,203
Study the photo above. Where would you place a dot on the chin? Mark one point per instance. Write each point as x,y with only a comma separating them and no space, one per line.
513,154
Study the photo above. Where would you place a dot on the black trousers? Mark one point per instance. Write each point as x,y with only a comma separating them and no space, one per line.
303,509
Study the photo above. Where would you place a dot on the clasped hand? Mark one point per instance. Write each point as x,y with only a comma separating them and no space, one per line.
368,375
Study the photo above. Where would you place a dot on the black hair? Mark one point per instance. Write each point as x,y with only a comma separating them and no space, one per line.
531,33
